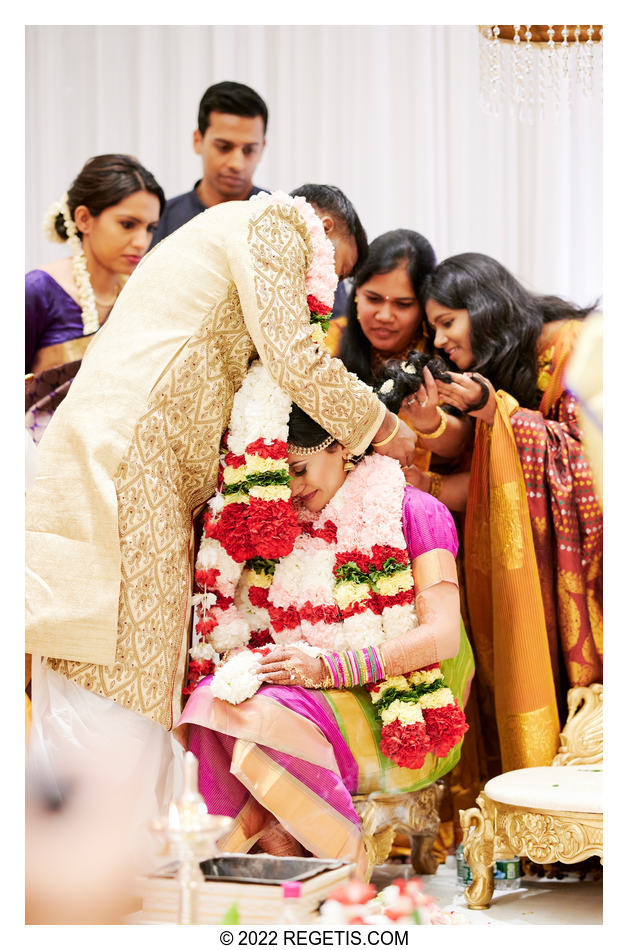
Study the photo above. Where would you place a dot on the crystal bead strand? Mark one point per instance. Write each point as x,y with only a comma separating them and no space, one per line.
494,69
528,75
517,75
579,54
484,35
565,50
542,79
552,70
564,46
588,73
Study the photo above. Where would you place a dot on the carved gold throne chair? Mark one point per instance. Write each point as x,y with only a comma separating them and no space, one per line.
413,813
545,814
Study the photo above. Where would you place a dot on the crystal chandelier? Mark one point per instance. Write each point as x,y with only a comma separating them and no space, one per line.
533,67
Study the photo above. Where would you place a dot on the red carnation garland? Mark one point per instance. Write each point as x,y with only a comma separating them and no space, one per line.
262,529
316,307
445,727
406,746
276,450
259,638
419,715
249,528
197,670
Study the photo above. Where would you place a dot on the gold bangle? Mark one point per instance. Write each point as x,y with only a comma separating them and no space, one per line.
389,438
348,672
439,431
436,484
363,668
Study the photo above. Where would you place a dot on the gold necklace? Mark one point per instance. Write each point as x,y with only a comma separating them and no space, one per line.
106,305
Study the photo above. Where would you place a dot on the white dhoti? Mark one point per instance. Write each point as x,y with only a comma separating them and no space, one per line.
94,753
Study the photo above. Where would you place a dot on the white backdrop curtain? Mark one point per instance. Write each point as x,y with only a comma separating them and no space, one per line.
391,114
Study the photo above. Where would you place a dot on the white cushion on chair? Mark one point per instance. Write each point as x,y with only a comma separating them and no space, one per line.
558,788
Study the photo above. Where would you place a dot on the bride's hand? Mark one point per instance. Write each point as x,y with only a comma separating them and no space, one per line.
289,666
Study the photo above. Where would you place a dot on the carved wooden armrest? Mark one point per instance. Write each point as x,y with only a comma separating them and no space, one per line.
581,741
414,813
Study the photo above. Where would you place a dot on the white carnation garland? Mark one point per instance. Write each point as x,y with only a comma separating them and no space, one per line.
345,582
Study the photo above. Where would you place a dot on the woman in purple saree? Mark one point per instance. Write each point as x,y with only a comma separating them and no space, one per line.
107,219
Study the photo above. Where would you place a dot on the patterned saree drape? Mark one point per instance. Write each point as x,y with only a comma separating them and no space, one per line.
533,562
298,755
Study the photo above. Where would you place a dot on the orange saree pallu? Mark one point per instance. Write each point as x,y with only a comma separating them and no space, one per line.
533,564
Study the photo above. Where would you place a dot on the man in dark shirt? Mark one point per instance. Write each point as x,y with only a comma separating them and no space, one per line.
230,139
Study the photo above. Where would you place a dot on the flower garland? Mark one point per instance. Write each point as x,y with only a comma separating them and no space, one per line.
337,580
252,521
419,714
344,585
321,279
87,300
347,583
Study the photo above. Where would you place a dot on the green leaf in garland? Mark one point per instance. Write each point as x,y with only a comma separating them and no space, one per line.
349,571
269,478
234,488
390,567
263,565
320,319
407,695
260,478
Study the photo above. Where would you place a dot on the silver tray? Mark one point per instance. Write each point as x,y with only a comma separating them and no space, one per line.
258,868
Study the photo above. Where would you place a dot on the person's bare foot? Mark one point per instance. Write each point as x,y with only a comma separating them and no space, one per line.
276,840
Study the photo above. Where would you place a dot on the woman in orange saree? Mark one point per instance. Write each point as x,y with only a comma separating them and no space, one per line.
533,524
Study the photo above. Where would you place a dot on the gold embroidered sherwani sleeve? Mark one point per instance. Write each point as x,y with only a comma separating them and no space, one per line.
268,266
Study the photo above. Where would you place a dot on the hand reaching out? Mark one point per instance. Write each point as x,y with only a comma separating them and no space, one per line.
465,391
420,407
403,444
414,476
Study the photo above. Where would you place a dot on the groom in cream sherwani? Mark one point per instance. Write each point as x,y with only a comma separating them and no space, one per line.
132,453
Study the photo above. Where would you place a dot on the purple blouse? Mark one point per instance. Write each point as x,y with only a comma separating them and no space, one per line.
427,523
52,316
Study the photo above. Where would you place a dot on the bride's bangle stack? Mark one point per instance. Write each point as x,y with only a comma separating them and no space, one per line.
354,667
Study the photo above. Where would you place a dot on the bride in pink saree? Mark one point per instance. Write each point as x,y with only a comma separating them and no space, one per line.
351,598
